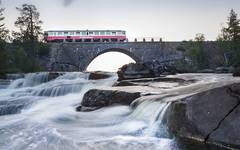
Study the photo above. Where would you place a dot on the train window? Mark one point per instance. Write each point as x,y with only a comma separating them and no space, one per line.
84,33
108,33
102,33
65,33
90,33
59,33
113,33
119,33
49,33
96,33
71,33
123,32
77,33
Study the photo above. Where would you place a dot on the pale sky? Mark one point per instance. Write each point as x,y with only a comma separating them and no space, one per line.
173,20
109,61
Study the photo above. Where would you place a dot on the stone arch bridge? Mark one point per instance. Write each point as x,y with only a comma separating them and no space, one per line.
77,56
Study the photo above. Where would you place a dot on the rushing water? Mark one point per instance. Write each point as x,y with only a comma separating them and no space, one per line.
37,114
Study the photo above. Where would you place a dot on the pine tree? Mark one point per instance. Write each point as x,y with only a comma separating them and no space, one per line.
229,40
29,23
3,31
232,31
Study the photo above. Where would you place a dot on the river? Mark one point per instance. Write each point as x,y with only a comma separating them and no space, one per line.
36,114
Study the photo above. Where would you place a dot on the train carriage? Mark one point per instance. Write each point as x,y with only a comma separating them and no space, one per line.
85,36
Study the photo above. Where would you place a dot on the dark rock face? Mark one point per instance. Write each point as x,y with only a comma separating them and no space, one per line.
236,72
206,71
134,71
224,70
95,99
98,75
139,82
160,68
228,131
15,76
211,116
54,75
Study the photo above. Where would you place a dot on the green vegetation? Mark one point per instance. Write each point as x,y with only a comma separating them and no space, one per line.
229,40
197,53
224,52
22,52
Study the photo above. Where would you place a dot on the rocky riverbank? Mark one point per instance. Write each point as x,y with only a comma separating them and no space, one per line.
202,107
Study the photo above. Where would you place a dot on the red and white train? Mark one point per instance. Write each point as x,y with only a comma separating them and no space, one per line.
85,36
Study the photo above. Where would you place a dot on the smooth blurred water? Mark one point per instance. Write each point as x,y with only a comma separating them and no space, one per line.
40,114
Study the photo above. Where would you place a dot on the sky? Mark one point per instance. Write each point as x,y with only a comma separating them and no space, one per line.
109,61
172,20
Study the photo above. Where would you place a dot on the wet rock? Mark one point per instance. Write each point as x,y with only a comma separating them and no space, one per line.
54,75
13,107
125,83
86,109
145,81
206,71
134,71
236,72
224,70
166,70
15,76
203,116
95,99
228,131
4,83
98,75
159,68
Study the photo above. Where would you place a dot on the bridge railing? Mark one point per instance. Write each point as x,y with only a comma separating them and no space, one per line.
145,39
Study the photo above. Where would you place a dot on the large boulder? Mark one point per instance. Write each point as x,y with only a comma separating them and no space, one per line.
146,81
97,75
95,99
134,71
236,72
159,68
211,116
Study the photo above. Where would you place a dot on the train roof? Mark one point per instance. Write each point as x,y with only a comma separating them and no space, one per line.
85,30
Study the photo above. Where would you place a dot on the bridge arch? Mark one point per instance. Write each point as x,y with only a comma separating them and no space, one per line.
120,50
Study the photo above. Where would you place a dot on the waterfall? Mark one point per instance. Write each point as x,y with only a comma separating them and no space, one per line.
31,79
36,113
